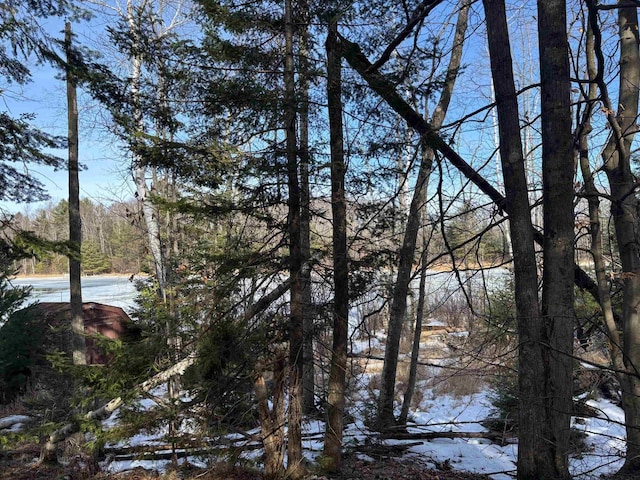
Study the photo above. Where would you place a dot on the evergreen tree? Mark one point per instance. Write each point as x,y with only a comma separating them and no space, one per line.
24,43
93,262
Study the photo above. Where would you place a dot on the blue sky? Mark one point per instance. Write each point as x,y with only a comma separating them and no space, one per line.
105,177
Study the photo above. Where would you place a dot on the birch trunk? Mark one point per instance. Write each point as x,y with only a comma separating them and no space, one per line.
178,369
149,214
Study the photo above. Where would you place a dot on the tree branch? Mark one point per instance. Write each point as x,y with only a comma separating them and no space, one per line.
383,87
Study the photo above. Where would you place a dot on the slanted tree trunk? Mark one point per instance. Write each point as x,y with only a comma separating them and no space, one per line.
624,208
407,252
437,120
558,169
593,200
49,451
75,223
296,334
337,372
383,87
417,332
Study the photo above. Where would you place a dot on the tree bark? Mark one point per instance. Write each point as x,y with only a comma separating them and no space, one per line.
383,87
407,252
308,374
272,420
417,332
558,169
75,224
49,450
624,208
337,373
296,334
532,413
150,216
48,453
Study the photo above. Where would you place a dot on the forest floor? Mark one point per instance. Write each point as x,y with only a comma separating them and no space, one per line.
20,463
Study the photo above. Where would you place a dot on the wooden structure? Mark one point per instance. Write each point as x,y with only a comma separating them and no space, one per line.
99,319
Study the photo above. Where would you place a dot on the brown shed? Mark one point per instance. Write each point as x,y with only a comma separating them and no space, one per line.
99,319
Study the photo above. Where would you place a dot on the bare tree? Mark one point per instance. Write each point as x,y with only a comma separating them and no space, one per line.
555,386
407,251
437,121
616,156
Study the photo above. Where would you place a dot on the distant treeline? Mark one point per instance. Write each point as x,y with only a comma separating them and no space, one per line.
112,238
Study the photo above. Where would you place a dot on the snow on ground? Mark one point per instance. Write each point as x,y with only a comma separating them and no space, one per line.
604,440
14,423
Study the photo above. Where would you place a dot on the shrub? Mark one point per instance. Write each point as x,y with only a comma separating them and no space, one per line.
19,342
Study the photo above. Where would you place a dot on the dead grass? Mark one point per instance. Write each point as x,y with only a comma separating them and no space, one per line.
458,384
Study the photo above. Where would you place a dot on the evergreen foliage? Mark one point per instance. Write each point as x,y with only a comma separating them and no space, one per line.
113,240
24,43
20,342
94,262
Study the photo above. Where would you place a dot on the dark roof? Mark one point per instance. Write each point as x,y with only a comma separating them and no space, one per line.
112,322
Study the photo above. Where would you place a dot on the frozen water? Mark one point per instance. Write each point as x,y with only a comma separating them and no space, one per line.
114,290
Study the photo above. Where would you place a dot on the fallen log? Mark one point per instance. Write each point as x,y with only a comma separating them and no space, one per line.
381,450
49,450
168,453
494,436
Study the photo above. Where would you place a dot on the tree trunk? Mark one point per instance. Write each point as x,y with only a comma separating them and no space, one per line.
624,208
407,251
558,168
532,446
48,453
75,223
151,220
417,332
308,374
337,373
272,420
383,87
296,334
592,195
436,121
